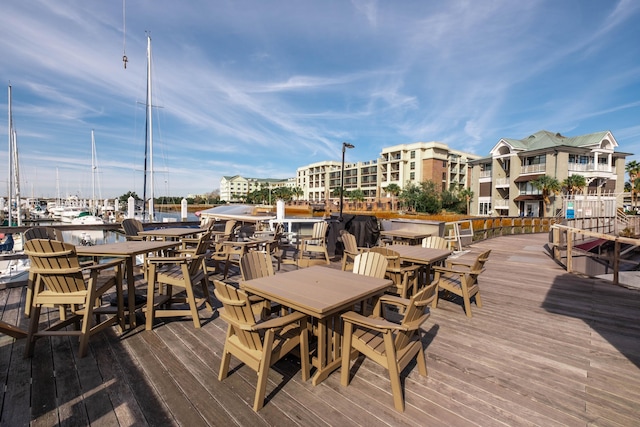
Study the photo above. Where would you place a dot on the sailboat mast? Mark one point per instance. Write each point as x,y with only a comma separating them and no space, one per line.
150,131
93,175
10,157
16,177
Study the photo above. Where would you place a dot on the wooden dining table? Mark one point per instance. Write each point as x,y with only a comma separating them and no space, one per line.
426,257
408,236
323,293
129,250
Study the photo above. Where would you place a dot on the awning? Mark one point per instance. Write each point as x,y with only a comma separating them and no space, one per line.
525,178
528,197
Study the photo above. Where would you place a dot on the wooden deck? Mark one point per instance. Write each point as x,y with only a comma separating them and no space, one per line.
547,348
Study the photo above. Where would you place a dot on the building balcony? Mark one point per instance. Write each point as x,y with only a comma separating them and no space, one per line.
503,182
540,168
590,167
499,203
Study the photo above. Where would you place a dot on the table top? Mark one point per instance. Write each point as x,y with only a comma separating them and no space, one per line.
126,248
317,291
405,234
245,242
172,232
418,254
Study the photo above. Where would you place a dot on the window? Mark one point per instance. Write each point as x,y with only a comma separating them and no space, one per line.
413,154
444,163
484,208
412,176
412,165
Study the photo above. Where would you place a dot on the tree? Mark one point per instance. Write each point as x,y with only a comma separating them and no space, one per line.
394,190
467,195
574,184
125,197
633,169
298,192
548,186
357,195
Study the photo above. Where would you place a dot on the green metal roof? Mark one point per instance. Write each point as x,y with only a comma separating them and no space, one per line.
545,139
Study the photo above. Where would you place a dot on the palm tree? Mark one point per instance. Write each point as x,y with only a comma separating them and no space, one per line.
394,190
574,184
467,195
548,185
358,196
633,169
298,192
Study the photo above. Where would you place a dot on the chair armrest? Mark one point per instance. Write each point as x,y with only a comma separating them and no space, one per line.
279,322
394,300
380,325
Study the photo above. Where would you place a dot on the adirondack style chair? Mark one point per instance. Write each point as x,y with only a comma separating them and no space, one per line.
371,264
61,280
253,265
39,233
131,228
390,344
435,242
405,277
461,279
259,344
350,250
183,271
317,242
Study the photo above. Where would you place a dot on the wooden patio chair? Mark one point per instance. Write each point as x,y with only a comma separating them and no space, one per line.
435,242
131,228
405,277
317,242
350,249
461,278
183,271
390,344
371,264
259,344
253,265
39,233
61,280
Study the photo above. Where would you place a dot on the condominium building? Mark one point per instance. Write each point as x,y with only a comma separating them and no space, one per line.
234,188
502,182
399,164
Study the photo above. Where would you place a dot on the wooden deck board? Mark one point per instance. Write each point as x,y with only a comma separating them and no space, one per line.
546,349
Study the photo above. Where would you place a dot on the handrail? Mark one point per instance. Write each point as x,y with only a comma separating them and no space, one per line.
570,231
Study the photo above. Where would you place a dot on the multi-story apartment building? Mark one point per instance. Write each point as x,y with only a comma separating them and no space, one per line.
234,188
399,164
502,183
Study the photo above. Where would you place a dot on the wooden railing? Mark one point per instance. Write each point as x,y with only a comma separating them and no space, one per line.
564,238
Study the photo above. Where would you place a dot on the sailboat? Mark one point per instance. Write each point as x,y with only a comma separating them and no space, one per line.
92,218
13,270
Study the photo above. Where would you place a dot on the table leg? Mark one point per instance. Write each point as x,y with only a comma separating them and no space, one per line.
131,291
328,351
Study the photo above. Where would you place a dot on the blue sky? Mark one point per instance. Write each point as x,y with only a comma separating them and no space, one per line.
260,88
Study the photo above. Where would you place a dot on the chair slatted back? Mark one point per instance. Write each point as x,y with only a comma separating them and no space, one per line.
349,242
238,314
229,227
199,251
392,256
320,230
435,242
131,227
415,315
256,264
57,264
43,233
371,264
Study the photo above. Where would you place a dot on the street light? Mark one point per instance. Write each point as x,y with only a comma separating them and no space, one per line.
345,145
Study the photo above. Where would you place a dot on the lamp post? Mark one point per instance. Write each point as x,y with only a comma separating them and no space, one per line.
345,145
